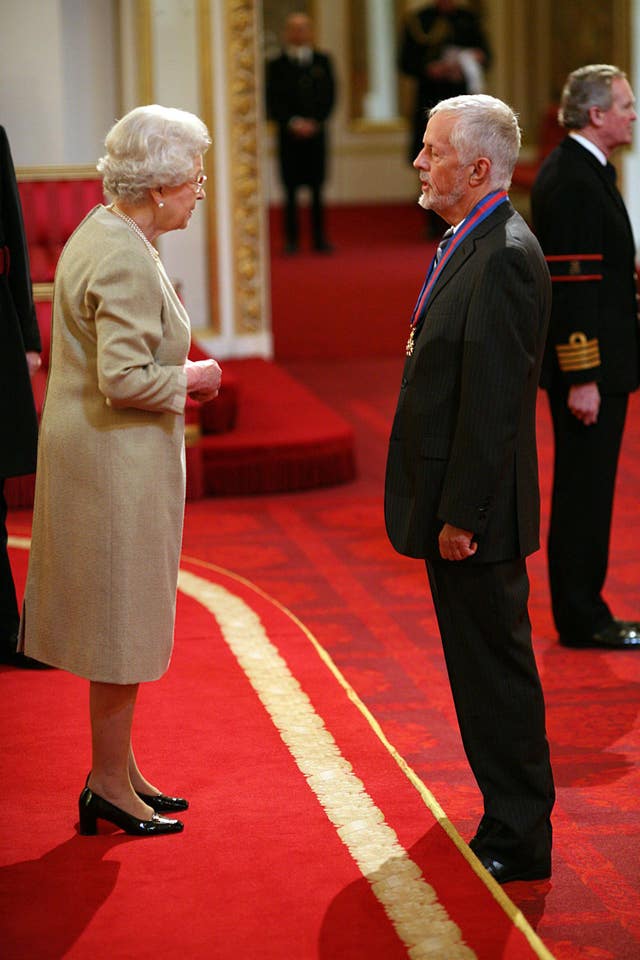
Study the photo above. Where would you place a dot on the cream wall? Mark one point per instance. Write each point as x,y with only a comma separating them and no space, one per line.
69,68
632,158
58,79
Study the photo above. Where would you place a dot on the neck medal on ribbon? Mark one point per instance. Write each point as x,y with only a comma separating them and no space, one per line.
480,212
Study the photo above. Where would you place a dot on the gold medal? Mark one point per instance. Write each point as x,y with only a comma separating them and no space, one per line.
410,342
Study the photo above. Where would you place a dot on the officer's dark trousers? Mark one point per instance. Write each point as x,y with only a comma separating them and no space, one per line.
584,475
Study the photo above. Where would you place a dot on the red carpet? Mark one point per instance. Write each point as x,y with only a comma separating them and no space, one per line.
252,826
263,870
304,839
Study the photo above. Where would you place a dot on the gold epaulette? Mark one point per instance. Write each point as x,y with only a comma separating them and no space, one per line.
565,268
578,354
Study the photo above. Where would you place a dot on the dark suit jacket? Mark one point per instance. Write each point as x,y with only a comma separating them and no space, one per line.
582,224
18,331
463,445
301,91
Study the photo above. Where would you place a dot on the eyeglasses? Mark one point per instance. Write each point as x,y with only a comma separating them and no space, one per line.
198,182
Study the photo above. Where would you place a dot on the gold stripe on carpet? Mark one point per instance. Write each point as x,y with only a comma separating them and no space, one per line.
512,911
409,901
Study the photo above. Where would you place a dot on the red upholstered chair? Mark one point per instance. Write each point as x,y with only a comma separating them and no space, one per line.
52,209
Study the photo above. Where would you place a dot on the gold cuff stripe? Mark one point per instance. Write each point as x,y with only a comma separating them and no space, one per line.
42,292
579,353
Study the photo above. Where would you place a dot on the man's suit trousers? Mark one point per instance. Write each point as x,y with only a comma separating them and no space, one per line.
486,636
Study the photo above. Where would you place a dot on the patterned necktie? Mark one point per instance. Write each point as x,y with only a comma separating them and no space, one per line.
444,243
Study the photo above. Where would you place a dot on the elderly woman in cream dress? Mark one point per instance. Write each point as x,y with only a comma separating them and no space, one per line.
107,527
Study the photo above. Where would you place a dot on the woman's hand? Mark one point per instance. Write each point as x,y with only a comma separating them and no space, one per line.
203,379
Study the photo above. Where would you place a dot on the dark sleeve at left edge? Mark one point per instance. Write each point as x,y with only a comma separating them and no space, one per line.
13,236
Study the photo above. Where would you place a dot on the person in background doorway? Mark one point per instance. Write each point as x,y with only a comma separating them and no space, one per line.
19,358
301,90
592,361
110,486
443,48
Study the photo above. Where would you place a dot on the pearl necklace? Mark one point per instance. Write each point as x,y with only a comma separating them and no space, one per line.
136,229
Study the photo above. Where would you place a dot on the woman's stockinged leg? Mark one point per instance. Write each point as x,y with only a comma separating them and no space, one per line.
138,781
111,708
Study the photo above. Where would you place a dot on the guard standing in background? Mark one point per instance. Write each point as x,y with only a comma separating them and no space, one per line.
300,88
444,49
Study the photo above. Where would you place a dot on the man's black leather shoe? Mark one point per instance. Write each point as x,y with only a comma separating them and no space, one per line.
617,635
486,825
505,870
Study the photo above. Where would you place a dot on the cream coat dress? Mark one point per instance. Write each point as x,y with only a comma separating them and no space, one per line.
110,484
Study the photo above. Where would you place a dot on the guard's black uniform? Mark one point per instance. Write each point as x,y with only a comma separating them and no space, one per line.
426,35
306,90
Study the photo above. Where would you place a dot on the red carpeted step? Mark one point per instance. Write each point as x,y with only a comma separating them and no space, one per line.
269,434
284,438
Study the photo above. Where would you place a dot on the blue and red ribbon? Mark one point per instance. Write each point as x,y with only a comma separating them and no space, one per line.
480,212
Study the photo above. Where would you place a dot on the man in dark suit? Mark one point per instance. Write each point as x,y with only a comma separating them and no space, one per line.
592,360
19,358
300,88
462,482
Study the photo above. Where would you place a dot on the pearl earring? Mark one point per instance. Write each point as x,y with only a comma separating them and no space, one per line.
161,203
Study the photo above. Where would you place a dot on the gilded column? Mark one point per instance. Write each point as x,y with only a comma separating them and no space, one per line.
244,88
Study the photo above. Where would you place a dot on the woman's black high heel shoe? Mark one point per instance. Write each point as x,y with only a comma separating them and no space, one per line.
93,808
163,804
